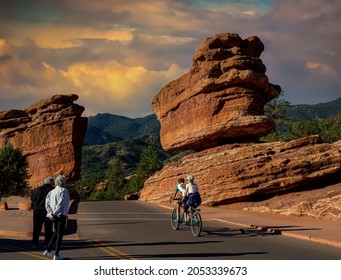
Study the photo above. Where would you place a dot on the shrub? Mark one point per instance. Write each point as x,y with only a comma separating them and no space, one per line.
13,171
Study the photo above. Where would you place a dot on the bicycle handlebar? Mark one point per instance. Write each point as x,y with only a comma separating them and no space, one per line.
172,198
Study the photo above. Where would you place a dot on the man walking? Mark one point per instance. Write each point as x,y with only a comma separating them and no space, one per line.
39,213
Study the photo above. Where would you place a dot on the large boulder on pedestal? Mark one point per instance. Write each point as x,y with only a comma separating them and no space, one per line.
221,98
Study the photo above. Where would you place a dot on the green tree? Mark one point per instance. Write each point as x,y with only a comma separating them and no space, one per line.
13,171
302,129
149,162
86,185
331,129
134,185
116,180
277,110
148,165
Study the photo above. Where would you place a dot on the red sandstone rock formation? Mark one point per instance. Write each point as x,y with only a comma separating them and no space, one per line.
254,171
50,133
221,97
221,100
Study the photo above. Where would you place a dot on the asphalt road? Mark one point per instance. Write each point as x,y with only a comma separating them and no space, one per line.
137,230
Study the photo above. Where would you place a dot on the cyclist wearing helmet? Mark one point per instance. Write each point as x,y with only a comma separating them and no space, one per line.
192,192
180,187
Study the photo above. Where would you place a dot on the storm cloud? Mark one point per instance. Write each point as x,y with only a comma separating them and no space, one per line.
116,55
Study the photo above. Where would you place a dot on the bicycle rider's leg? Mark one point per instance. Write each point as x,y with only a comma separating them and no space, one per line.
178,211
186,206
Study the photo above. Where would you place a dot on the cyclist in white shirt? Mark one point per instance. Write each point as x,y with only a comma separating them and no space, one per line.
180,187
192,194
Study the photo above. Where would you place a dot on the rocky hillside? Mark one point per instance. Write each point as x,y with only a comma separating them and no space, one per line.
98,158
314,112
106,128
221,99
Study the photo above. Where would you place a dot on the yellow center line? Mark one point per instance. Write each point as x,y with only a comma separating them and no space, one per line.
38,255
111,250
28,253
97,243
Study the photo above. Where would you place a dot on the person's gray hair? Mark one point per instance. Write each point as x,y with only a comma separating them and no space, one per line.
60,180
49,180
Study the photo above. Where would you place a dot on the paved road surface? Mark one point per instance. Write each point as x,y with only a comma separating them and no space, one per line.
143,231
137,230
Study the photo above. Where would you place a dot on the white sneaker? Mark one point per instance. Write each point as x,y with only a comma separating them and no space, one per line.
48,254
55,257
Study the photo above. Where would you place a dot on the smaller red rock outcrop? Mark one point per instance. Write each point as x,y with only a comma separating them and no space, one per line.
220,98
50,133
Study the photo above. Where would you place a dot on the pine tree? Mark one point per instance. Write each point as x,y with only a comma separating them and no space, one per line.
116,180
13,171
148,165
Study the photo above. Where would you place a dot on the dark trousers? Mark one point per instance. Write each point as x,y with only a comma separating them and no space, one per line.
39,218
57,237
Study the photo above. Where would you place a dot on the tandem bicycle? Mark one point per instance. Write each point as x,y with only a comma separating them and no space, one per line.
194,218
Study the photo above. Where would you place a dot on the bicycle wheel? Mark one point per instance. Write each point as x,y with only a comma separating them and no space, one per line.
196,223
174,220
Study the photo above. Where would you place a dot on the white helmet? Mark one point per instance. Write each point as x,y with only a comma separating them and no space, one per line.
190,178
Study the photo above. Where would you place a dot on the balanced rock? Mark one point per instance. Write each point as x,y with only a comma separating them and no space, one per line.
221,98
244,172
50,133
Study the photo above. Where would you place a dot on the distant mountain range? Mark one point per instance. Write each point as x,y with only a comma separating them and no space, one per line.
107,128
315,112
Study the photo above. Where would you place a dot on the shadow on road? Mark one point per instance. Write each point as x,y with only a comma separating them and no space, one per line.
196,255
233,232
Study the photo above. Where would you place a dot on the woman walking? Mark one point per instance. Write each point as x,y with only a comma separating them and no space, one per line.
57,207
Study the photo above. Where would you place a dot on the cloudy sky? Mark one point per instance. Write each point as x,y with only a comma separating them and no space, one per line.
117,54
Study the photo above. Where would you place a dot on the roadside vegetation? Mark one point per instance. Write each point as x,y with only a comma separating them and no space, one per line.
288,127
13,172
118,178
